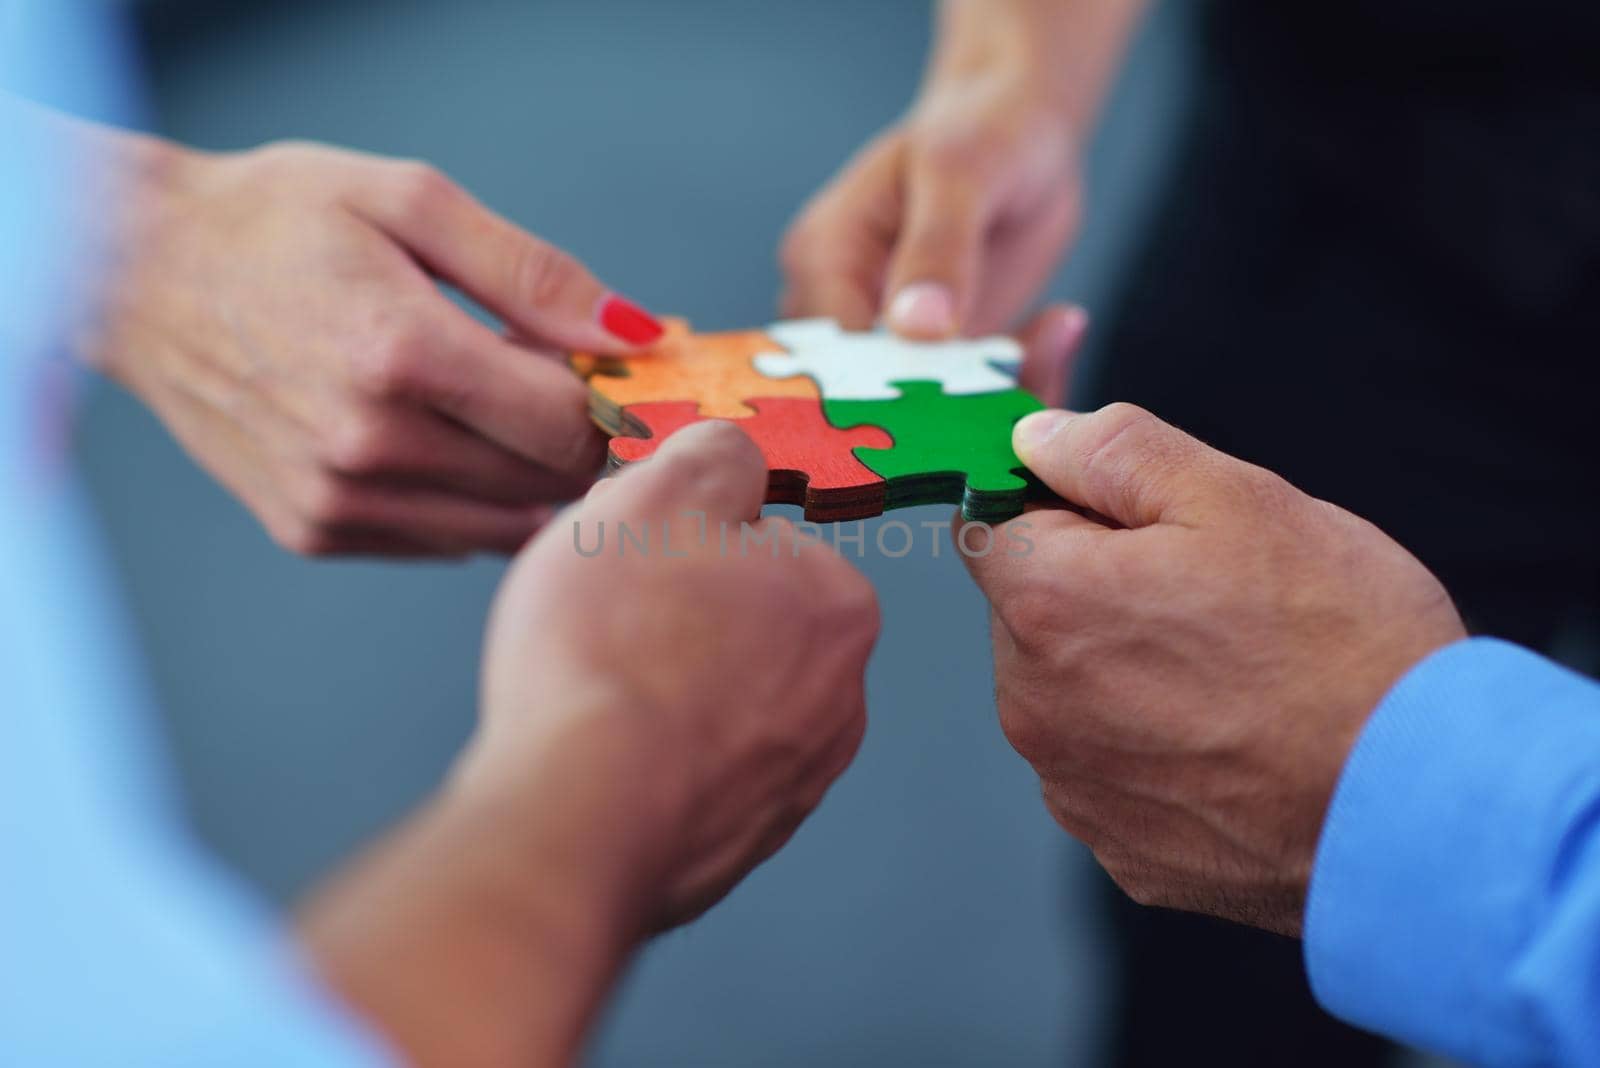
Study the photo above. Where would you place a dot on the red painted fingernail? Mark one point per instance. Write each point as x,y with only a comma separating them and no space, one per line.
624,319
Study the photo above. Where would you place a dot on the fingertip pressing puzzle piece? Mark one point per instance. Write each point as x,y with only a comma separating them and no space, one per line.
713,370
954,448
810,462
865,366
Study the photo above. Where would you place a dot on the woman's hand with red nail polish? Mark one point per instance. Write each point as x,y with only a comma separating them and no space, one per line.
624,319
280,311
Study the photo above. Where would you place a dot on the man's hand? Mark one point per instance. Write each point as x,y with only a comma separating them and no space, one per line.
279,310
1187,665
730,654
655,723
952,220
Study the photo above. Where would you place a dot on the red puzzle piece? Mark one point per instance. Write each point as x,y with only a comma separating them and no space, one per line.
808,458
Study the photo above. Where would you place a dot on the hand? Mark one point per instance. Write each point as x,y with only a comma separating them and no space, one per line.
655,724
1188,666
278,309
950,222
737,671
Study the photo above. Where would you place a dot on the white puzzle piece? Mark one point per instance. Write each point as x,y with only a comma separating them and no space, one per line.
861,366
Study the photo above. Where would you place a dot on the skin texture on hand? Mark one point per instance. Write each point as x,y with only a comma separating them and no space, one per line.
655,723
739,663
1188,664
952,220
279,310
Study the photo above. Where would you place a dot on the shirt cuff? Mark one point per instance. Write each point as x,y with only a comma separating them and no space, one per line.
1441,834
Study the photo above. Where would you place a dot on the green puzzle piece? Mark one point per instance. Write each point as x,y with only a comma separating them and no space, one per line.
947,447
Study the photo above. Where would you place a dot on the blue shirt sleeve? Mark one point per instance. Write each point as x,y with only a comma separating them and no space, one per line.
121,942
1455,899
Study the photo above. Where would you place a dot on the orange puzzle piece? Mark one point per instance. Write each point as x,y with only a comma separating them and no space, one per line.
712,370
808,459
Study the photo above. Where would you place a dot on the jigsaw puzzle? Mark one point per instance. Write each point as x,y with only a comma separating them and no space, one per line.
946,447
809,461
850,424
864,366
714,370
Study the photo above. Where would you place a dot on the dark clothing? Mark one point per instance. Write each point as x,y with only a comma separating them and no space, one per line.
1377,272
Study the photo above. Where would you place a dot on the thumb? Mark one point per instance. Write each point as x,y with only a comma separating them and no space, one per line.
1124,463
711,467
934,270
537,289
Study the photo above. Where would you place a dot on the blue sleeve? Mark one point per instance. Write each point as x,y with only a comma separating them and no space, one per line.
121,942
1455,899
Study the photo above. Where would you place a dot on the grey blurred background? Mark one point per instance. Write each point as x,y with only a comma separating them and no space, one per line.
930,913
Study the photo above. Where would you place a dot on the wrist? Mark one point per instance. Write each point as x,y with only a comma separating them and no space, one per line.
1006,42
586,787
549,871
469,938
142,182
1058,57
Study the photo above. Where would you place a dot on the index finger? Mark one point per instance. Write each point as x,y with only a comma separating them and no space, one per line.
522,400
538,289
1017,558
836,254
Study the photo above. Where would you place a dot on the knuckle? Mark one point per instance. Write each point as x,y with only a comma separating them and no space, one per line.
1115,430
1266,491
541,275
324,501
419,188
299,152
798,247
855,729
1029,735
953,152
863,606
362,444
391,364
310,173
857,614
287,152
1126,452
1017,730
1074,814
1137,884
303,539
1030,614
792,742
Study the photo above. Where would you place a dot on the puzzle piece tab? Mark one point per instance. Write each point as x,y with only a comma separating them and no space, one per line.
713,370
864,366
954,448
809,461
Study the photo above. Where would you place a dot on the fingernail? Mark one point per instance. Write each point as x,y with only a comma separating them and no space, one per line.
1074,324
1063,330
1063,337
1033,431
923,309
624,319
